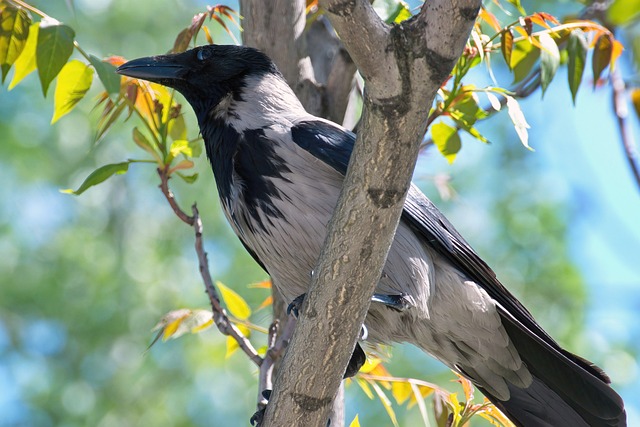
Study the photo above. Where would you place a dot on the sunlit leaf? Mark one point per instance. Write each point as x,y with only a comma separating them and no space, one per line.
179,322
72,85
635,99
523,58
232,344
447,140
417,399
549,60
420,391
467,387
401,391
265,284
355,422
55,45
100,175
14,30
364,385
577,50
266,303
616,51
506,46
494,101
26,62
402,12
386,403
490,19
234,302
519,122
622,12
107,74
602,52
369,365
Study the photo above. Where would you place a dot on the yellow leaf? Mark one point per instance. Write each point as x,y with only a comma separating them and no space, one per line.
369,365
26,62
73,83
181,146
386,403
365,387
178,322
234,302
232,344
401,391
355,422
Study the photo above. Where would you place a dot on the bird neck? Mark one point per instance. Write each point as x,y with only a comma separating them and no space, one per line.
262,100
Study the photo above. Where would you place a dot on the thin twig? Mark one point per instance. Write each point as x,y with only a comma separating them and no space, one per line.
621,110
219,314
164,186
220,317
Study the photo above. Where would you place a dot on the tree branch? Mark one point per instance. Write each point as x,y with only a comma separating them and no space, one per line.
402,75
220,317
621,110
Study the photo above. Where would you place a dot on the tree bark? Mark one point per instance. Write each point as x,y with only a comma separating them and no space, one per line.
403,67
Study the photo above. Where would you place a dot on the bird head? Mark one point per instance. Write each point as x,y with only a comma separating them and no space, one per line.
204,75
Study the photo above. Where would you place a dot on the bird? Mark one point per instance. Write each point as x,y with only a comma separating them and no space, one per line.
279,171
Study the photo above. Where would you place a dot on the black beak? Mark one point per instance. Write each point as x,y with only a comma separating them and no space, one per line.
164,69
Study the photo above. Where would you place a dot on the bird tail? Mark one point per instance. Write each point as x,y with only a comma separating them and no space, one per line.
567,390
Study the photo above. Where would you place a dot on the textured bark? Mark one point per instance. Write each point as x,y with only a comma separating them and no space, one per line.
403,67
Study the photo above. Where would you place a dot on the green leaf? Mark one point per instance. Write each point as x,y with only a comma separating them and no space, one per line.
14,31
73,83
447,140
577,49
55,45
602,52
107,74
26,62
506,45
142,142
178,128
189,179
180,146
519,122
549,60
523,58
622,12
234,302
401,13
100,175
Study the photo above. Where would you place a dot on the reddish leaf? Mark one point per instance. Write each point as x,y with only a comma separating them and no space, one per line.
602,53
506,46
490,19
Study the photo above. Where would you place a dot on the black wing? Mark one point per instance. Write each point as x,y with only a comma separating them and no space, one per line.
333,145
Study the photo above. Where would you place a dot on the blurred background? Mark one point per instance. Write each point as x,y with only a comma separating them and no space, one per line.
84,279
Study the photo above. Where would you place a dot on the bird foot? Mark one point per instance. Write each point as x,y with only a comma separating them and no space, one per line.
256,419
400,302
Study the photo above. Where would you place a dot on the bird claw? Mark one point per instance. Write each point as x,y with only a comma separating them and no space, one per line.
295,305
400,302
256,419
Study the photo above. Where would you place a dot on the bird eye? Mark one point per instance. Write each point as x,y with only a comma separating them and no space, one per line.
203,54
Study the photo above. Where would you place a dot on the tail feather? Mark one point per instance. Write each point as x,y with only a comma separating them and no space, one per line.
566,390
